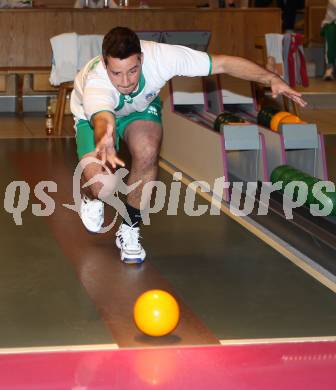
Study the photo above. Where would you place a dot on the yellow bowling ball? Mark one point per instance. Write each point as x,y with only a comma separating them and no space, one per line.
277,118
156,313
291,119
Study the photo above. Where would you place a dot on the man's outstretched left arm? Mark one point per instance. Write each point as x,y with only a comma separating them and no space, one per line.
248,70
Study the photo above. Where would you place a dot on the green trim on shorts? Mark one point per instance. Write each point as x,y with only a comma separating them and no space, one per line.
85,134
84,138
152,113
210,66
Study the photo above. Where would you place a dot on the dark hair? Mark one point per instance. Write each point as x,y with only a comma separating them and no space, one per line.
120,42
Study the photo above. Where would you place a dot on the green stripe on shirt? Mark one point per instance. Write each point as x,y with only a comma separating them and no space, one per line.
210,65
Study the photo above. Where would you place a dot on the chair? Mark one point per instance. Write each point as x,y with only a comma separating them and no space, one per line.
63,90
70,53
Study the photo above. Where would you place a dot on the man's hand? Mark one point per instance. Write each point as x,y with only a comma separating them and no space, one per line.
279,87
247,70
105,149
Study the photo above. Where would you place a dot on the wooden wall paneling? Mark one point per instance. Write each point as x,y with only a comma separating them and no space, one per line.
132,3
91,21
269,21
43,26
231,32
316,2
54,3
28,36
38,30
175,3
7,41
315,16
3,83
28,32
100,22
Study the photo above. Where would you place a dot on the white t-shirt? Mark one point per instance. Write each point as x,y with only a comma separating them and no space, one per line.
93,91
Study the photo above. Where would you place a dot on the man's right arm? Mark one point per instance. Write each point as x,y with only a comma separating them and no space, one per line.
104,133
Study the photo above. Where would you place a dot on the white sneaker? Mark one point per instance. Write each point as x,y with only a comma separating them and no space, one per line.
92,214
131,251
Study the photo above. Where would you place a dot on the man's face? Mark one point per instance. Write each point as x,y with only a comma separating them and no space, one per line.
124,74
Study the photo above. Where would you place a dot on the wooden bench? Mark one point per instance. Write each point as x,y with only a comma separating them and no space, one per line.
63,89
19,73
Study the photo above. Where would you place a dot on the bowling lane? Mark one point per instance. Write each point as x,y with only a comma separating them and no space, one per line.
229,283
42,302
110,285
237,285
